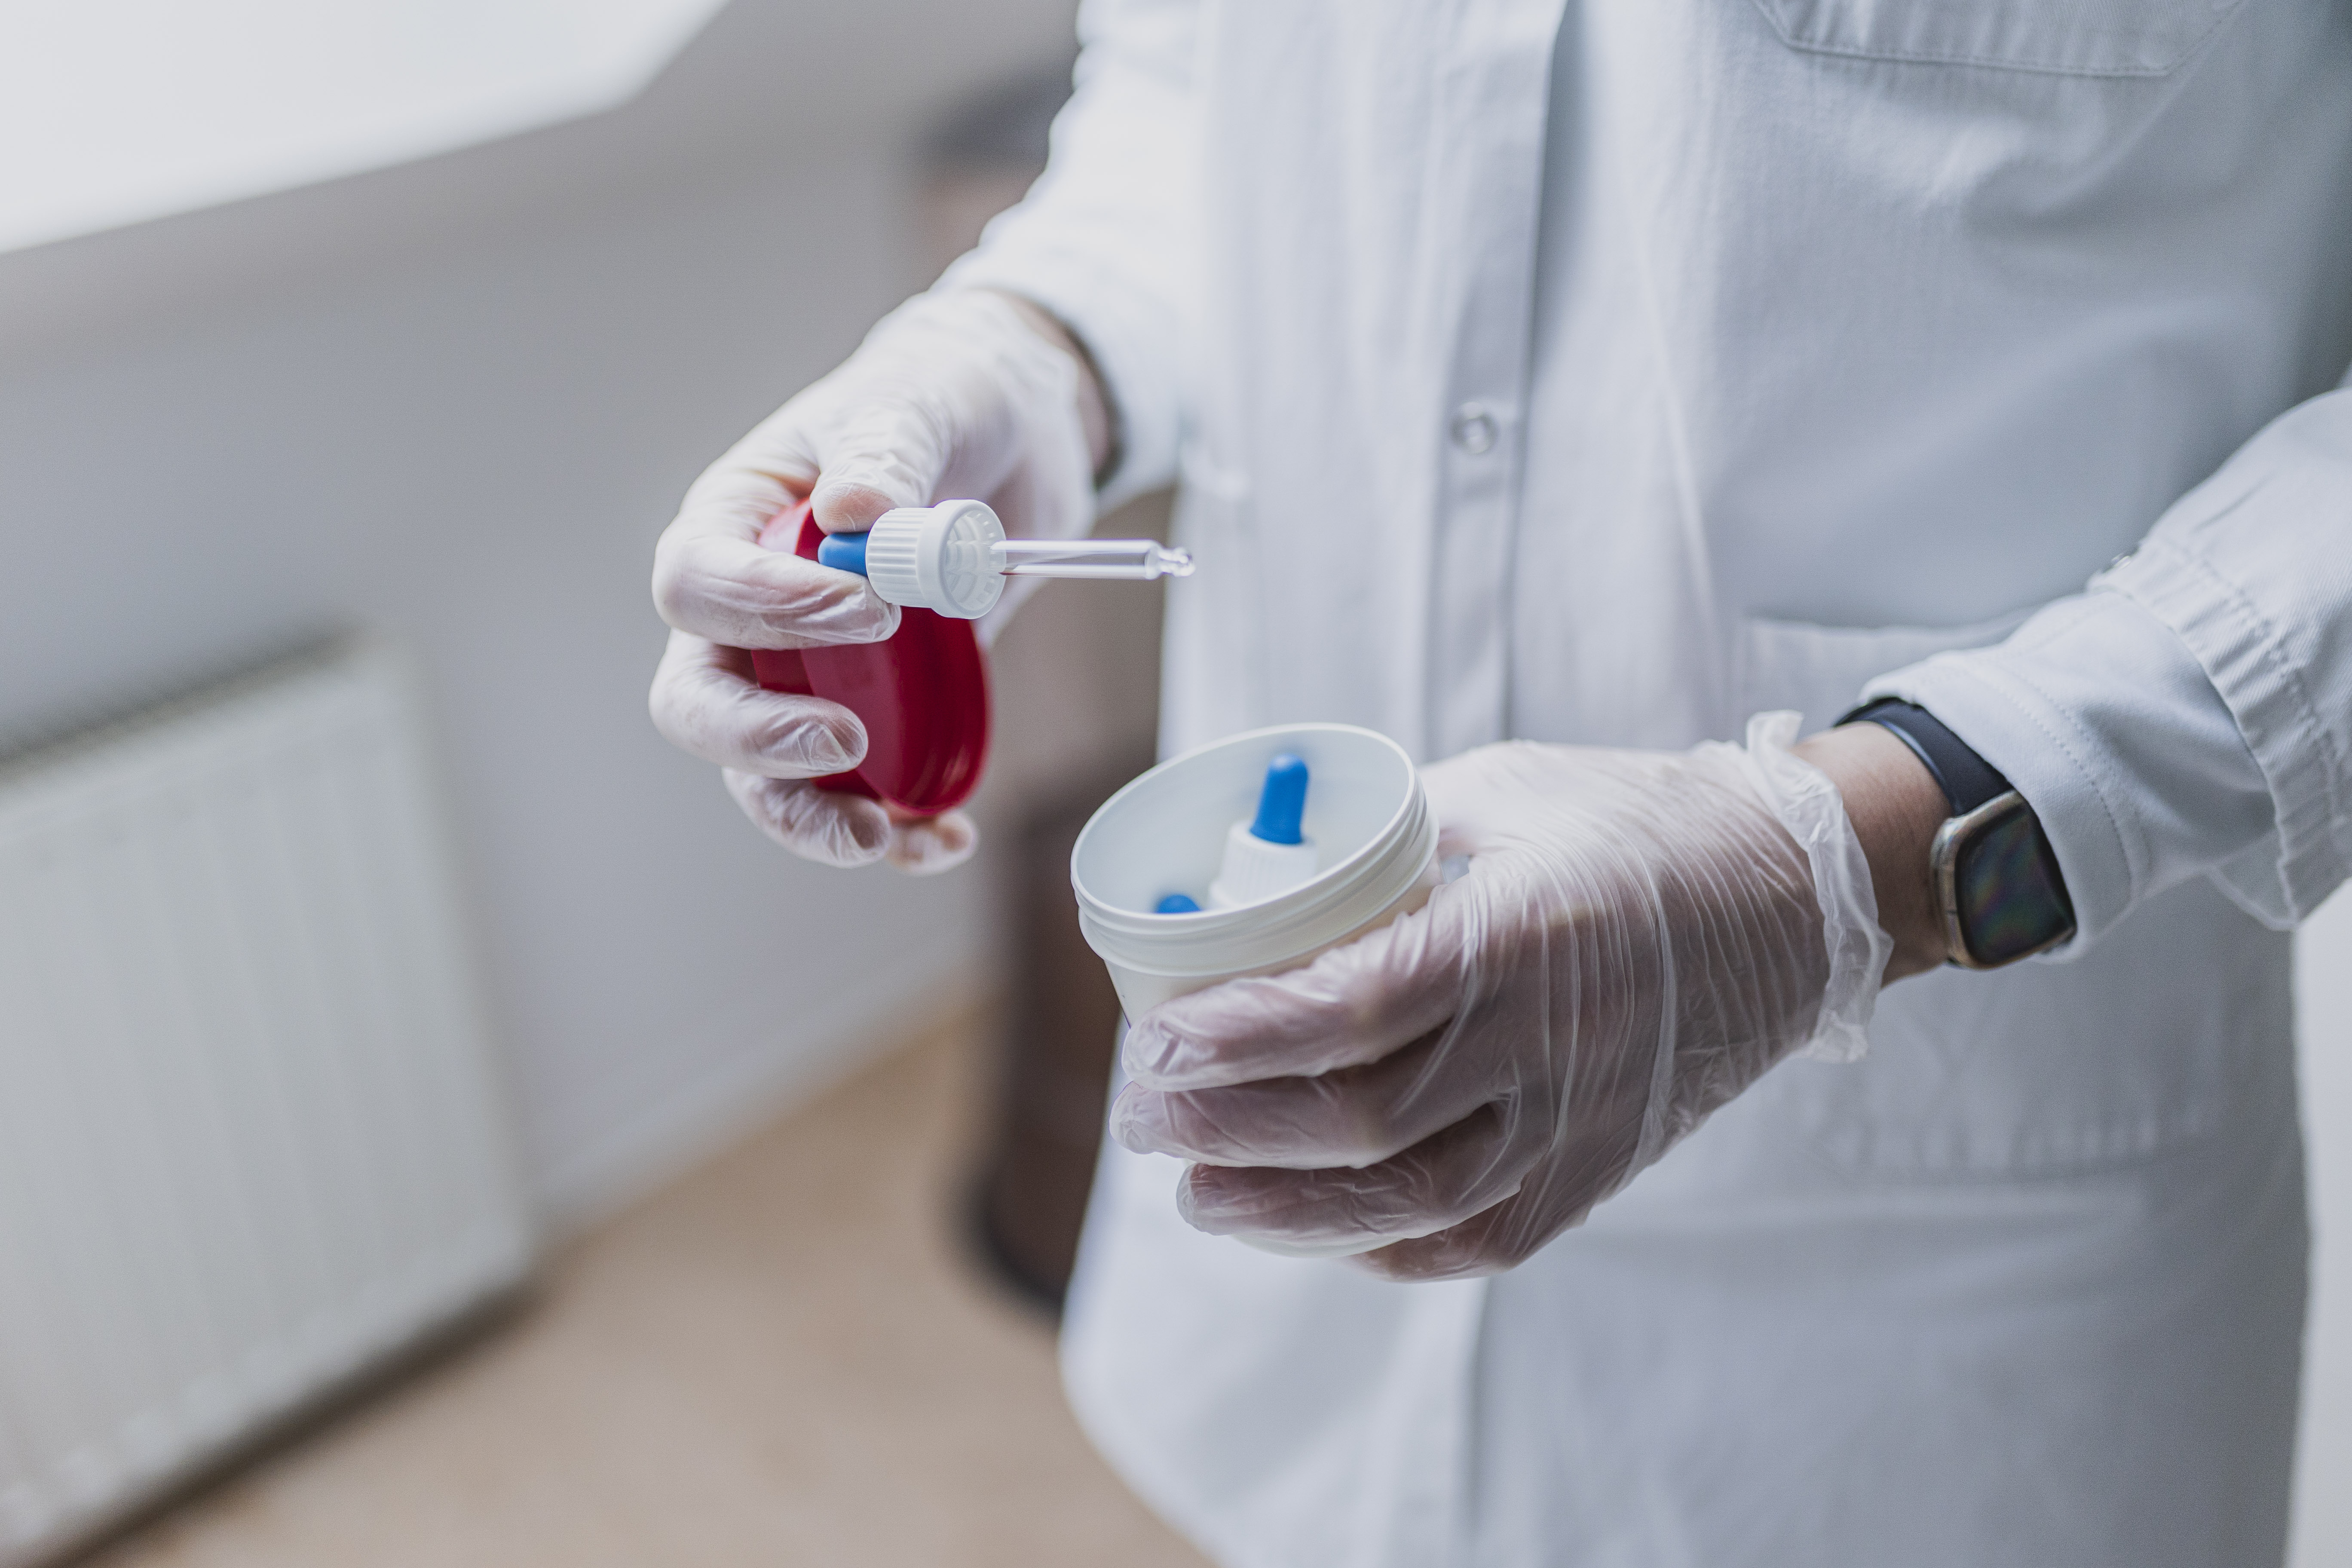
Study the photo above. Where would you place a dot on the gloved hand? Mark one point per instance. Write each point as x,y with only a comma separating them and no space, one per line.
1637,937
958,394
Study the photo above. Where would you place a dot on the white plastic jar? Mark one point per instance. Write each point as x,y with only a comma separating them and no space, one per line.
1166,832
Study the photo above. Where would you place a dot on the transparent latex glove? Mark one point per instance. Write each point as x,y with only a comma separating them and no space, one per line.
957,394
1637,937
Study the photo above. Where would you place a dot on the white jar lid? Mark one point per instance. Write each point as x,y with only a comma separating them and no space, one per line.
1166,831
938,558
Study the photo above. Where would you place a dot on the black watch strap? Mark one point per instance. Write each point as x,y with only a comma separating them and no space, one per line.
1968,780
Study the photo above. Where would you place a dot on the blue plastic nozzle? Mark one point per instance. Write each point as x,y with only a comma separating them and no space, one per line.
1282,804
1177,904
843,552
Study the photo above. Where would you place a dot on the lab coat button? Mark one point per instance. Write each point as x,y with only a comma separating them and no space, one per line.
1475,429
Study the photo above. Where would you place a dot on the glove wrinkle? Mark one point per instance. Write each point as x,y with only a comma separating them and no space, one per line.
704,702
955,393
836,829
925,846
1637,937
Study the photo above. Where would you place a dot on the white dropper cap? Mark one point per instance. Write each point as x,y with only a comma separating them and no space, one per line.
937,557
954,558
1269,854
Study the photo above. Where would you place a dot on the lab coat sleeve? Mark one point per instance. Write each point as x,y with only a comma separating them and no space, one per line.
2191,713
1107,238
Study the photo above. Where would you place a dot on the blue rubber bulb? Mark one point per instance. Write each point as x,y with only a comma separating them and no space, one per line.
1177,904
843,552
1282,804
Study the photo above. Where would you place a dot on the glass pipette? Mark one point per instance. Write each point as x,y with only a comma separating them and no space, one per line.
1102,560
954,558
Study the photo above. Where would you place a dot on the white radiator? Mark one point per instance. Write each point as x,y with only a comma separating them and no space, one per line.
251,1134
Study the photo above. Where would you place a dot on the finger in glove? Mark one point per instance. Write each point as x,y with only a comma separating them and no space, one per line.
837,829
705,702
1355,1116
713,578
926,846
1438,1182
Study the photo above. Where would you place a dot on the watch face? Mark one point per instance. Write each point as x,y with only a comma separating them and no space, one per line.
2011,903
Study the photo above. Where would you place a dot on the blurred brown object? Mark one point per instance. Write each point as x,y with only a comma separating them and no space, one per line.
1029,1195
1075,681
980,157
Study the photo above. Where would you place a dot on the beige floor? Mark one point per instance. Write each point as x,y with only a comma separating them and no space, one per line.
782,1359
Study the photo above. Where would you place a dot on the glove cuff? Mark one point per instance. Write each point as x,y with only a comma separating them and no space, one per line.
1809,806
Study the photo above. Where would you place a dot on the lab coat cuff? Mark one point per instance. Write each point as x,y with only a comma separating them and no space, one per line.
2251,663
2101,715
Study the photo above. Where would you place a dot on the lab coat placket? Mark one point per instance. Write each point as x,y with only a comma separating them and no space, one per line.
1478,258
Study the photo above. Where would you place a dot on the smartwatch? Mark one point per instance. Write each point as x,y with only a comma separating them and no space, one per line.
1996,878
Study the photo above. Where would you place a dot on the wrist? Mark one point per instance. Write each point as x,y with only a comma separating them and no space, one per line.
1896,807
1093,403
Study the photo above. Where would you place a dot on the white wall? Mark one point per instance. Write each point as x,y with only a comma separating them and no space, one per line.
456,401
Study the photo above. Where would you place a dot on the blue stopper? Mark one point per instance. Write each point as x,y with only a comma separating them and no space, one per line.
843,552
1177,904
1282,804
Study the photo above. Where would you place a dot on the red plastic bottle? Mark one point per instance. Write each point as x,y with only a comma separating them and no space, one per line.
922,695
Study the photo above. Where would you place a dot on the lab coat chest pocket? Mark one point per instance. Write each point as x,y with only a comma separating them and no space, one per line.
2145,1043
1821,670
2071,38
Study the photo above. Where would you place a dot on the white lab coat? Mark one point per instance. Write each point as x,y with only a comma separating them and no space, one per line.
1607,372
